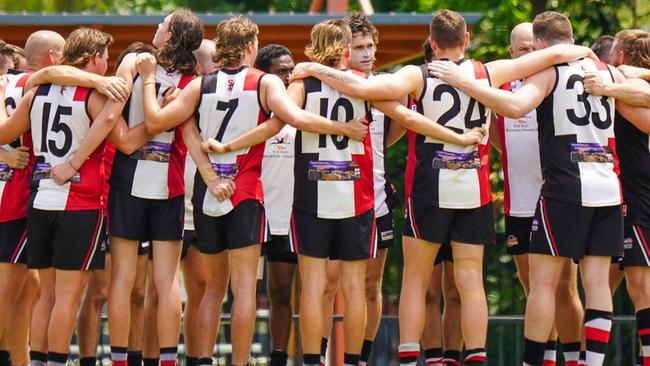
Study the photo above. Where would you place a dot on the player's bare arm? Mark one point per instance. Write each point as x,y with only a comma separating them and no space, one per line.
638,116
157,119
13,127
114,87
633,72
634,92
420,124
407,80
505,103
495,134
503,71
221,188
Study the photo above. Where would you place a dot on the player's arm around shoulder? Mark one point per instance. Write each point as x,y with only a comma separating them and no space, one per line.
639,116
18,123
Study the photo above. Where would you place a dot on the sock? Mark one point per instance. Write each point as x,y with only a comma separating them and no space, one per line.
119,356
191,361
582,358
598,323
311,359
571,353
408,354
476,356
168,356
205,361
134,358
533,352
451,358
151,361
643,325
88,361
278,358
37,358
56,359
366,349
550,353
5,358
350,359
323,349
433,356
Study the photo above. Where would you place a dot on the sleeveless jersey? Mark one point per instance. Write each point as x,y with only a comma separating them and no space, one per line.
229,107
634,155
155,171
444,174
576,140
333,174
522,171
60,122
378,135
107,168
277,179
14,183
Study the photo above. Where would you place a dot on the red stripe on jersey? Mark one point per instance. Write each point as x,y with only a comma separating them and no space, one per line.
107,168
364,190
412,219
252,79
643,332
262,226
19,245
373,239
595,334
249,177
185,79
80,94
87,194
611,143
175,181
93,242
479,70
504,164
411,162
23,80
601,66
13,201
484,174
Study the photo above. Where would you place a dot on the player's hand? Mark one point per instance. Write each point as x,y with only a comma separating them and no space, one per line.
114,88
594,84
221,188
145,63
357,128
301,71
472,137
633,72
447,71
212,146
62,173
17,158
170,95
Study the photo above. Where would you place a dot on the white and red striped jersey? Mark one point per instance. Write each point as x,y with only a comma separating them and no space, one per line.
333,174
14,183
229,107
443,174
576,140
277,179
156,170
60,122
520,156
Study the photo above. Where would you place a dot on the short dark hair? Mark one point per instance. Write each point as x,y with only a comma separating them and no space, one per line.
135,47
602,47
428,51
448,29
552,27
359,24
268,53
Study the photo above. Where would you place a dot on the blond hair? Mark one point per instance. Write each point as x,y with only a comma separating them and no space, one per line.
329,41
635,45
231,40
82,45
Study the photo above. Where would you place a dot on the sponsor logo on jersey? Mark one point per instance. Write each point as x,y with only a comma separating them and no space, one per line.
281,142
5,173
231,84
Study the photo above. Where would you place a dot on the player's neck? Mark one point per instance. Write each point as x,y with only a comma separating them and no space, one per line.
341,65
451,54
241,64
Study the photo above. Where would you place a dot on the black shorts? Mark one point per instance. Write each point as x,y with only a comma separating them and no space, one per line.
518,234
189,240
346,239
444,254
13,241
144,247
637,247
66,240
444,225
571,231
142,219
385,234
278,249
244,226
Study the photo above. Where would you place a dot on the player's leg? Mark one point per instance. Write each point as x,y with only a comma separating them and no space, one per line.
312,320
452,335
89,320
20,320
333,279
41,318
69,286
569,311
594,272
150,347
194,276
134,357
374,300
13,269
432,332
354,320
